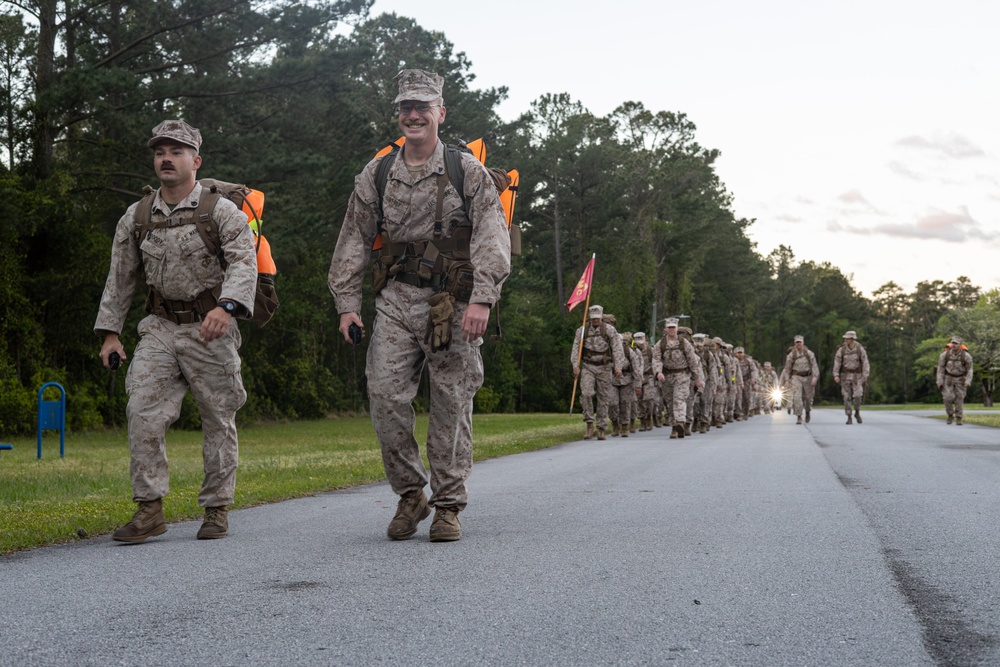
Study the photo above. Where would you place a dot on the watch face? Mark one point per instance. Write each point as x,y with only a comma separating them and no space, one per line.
229,307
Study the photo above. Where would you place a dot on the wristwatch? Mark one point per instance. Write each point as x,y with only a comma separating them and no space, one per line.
228,306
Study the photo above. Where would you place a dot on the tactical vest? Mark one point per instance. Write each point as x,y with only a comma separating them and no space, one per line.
594,356
857,366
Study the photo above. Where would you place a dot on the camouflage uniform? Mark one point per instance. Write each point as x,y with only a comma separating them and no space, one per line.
170,357
400,348
799,371
954,375
850,369
721,385
623,412
602,356
735,383
649,395
747,372
710,369
677,362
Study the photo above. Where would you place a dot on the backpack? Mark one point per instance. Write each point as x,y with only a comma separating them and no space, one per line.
506,182
251,202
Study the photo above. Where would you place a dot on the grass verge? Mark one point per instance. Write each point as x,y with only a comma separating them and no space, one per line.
88,492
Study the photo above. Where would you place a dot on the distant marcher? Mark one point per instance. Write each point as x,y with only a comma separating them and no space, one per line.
189,339
954,375
850,371
601,358
800,374
674,364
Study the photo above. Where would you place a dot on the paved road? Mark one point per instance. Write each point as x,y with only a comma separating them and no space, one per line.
764,543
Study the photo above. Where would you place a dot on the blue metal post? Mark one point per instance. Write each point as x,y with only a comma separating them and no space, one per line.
52,415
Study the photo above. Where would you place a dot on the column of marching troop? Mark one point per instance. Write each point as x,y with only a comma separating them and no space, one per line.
686,381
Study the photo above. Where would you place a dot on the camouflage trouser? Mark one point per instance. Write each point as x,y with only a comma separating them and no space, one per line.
852,389
596,379
620,410
802,393
704,405
719,404
746,399
397,356
953,393
731,398
692,395
675,388
169,359
648,399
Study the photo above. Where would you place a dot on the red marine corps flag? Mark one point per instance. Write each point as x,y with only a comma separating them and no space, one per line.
582,291
581,294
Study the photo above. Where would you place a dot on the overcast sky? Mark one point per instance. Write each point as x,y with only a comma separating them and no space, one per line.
864,133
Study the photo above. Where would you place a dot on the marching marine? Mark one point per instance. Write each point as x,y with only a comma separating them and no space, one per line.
850,371
954,374
597,355
800,373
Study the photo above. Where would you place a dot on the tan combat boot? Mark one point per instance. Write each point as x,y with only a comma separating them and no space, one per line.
687,428
798,420
631,426
857,415
958,421
600,434
446,526
216,524
615,429
656,420
849,418
146,522
590,431
951,419
808,416
411,510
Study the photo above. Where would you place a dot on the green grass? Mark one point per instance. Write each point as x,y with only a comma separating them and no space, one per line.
88,492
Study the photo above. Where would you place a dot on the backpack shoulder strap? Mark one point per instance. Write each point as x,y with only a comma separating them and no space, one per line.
381,178
453,167
144,214
205,223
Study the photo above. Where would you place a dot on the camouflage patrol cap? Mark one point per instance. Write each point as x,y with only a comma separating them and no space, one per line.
728,346
670,322
700,336
639,337
419,85
718,341
851,334
767,364
595,311
799,339
176,130
956,340
739,350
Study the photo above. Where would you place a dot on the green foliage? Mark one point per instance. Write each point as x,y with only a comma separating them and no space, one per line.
296,109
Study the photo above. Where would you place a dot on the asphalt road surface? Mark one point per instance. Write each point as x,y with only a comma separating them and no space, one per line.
763,543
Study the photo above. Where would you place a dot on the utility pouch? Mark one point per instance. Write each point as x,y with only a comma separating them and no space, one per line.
460,281
425,267
380,275
438,334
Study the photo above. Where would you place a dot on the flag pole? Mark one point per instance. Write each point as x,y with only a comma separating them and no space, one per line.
579,357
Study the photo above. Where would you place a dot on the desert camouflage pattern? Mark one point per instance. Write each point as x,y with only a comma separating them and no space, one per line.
397,353
177,262
954,375
602,357
799,371
396,359
625,408
678,362
169,359
172,358
850,364
409,203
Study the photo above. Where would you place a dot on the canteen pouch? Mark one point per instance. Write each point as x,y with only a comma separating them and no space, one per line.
460,281
380,275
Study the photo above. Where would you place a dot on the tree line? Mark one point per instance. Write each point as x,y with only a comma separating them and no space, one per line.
292,106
